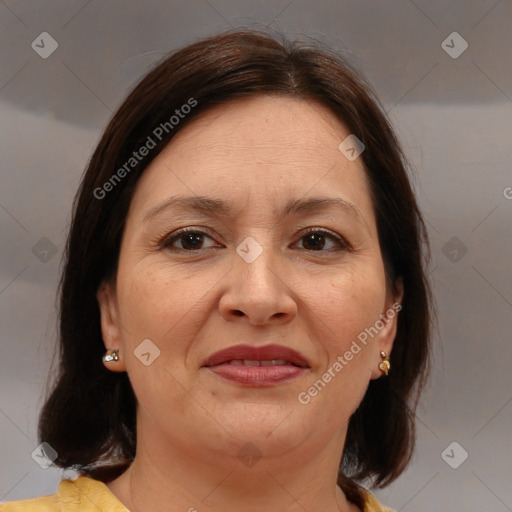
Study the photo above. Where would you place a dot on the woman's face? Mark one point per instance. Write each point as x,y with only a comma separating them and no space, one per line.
271,266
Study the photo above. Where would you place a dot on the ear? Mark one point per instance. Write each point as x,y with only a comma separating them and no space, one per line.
110,326
389,319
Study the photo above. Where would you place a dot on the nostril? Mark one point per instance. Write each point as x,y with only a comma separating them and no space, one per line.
238,312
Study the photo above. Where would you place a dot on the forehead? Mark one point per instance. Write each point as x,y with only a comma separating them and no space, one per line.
266,125
263,146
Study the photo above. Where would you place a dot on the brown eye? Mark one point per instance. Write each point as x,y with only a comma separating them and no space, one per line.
190,240
315,240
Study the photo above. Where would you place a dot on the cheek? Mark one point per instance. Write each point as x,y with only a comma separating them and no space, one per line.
152,299
155,307
166,306
350,305
353,300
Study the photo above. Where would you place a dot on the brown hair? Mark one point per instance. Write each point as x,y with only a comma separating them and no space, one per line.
89,417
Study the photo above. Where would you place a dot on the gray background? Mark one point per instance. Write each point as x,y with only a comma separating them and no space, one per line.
453,116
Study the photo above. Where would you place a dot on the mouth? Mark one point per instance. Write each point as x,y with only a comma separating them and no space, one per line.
247,355
251,366
253,363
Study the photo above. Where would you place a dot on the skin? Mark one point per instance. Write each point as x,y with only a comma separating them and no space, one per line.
256,154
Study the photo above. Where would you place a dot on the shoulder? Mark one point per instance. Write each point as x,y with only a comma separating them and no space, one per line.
371,504
42,504
83,494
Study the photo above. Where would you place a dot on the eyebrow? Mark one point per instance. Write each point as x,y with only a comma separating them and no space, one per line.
212,206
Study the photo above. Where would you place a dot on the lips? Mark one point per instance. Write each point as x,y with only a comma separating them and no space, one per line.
257,367
247,355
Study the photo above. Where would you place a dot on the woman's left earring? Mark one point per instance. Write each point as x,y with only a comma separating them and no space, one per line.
384,365
114,356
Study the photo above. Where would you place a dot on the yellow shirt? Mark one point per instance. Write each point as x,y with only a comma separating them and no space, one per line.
88,495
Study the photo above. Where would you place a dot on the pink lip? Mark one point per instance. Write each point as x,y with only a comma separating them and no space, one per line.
257,376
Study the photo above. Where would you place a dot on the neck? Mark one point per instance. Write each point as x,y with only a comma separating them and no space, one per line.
172,478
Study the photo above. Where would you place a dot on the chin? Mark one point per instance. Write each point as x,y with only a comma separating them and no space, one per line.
274,431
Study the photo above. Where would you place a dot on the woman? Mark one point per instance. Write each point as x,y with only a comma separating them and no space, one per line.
245,314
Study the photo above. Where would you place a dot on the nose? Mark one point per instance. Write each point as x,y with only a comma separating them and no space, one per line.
258,292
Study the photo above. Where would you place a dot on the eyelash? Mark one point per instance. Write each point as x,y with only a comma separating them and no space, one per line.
166,242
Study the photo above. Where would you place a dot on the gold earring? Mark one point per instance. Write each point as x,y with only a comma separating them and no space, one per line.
384,365
114,356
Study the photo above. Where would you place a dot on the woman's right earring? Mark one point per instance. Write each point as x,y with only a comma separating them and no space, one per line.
114,356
